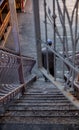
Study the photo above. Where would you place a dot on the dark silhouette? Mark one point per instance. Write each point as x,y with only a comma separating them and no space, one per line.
50,59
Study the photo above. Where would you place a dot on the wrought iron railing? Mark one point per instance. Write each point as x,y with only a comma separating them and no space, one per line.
11,74
58,20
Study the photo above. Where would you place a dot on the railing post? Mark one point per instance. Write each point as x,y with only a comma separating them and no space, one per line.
64,35
37,31
54,35
15,30
46,36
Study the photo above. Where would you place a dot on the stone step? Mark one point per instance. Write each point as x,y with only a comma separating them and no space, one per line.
43,93
41,107
21,103
42,101
42,104
43,98
43,113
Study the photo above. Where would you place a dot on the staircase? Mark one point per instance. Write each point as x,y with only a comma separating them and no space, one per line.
42,103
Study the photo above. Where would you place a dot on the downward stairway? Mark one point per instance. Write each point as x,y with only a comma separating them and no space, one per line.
42,103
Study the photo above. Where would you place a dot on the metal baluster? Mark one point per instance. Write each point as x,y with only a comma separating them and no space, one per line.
5,78
3,67
54,33
74,45
64,35
72,36
76,25
46,35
